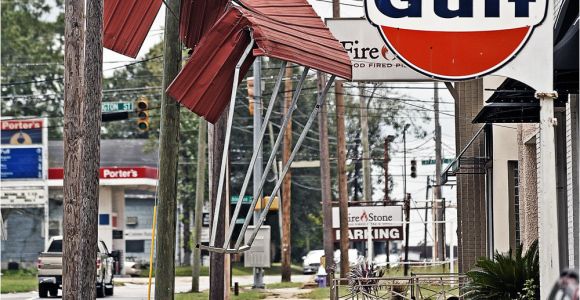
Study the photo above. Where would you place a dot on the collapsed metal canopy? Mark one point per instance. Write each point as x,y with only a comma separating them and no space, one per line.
289,30
218,31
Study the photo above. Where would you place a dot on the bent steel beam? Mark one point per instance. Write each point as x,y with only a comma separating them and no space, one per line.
255,154
313,115
227,141
273,154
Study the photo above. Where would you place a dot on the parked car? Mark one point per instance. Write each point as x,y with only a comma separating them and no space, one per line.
311,261
50,269
132,268
381,260
353,257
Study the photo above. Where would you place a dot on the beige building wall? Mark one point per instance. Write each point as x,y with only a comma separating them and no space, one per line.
528,183
106,207
505,149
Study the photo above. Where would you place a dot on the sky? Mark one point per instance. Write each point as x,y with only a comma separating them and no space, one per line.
420,148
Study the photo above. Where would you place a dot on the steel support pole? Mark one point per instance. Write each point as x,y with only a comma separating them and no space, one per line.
313,114
273,156
547,189
259,131
257,147
225,153
406,198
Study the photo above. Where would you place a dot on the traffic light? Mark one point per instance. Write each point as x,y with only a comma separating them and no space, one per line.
142,114
413,168
250,83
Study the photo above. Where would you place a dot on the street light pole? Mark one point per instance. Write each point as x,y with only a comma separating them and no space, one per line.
387,200
258,272
406,199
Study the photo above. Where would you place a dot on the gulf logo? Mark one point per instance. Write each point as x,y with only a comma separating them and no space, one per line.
456,39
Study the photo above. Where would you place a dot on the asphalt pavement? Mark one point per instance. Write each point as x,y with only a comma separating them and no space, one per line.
136,288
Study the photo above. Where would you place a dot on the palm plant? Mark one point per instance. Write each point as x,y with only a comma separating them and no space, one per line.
363,279
506,276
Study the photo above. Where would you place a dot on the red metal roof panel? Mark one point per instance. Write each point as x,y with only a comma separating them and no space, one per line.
126,24
291,30
197,17
204,85
285,29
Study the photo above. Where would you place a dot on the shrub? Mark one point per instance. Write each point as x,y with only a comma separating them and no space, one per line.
506,276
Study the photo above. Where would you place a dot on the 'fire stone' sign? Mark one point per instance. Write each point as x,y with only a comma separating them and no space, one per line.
374,222
370,57
373,216
456,40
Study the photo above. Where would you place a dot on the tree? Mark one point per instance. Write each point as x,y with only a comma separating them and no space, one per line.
139,79
32,42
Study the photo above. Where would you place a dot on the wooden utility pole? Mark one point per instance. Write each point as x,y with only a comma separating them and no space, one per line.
199,199
82,126
168,154
217,136
287,184
366,157
328,237
386,198
437,201
342,180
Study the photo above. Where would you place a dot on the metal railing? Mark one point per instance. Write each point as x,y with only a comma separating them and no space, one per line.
414,287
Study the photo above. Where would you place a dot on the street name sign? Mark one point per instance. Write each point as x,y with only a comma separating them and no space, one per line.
245,200
456,40
433,161
107,107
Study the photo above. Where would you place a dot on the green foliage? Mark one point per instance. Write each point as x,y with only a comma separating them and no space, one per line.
18,281
246,294
507,276
141,79
362,279
32,59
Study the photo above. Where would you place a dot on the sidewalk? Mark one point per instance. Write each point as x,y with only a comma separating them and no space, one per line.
183,284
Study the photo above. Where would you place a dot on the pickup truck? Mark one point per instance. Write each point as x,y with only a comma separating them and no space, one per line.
50,270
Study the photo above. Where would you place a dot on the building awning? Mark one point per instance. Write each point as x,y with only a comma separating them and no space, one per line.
126,24
509,113
513,102
113,176
288,30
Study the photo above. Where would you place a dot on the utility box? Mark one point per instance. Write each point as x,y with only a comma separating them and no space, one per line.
258,256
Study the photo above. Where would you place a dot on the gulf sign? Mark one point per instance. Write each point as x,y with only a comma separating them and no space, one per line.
456,39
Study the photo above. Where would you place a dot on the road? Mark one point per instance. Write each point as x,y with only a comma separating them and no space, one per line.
136,288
